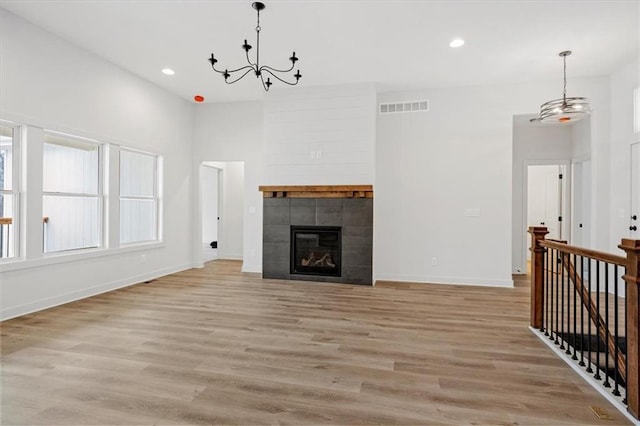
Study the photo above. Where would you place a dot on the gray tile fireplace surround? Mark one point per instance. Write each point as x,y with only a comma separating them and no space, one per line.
354,215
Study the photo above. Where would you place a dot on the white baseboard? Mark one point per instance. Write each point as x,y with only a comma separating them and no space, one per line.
445,280
616,401
253,268
62,299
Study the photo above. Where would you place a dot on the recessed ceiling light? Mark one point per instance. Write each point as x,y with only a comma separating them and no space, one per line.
457,42
168,71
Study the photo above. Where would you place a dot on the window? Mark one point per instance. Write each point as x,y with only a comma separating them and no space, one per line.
72,193
8,191
139,199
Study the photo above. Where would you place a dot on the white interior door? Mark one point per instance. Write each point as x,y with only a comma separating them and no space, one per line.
581,204
634,222
544,196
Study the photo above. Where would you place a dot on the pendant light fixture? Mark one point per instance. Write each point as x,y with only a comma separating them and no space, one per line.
232,76
566,109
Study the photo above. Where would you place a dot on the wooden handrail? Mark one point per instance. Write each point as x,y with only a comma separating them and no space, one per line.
593,254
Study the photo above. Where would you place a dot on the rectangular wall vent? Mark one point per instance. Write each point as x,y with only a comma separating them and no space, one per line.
412,106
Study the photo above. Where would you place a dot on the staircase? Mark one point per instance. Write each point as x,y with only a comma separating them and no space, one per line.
586,303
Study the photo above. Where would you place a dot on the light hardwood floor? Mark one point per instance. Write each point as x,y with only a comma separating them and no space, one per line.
215,346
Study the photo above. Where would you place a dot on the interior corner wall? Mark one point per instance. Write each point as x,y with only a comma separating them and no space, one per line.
234,132
49,83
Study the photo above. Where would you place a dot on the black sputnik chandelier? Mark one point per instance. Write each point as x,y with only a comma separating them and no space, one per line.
232,76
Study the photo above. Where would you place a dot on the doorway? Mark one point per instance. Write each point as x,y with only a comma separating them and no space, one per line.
210,196
222,209
546,200
634,220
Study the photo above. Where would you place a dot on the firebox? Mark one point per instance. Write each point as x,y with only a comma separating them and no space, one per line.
316,250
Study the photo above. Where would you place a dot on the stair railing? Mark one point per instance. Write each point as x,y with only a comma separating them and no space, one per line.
587,303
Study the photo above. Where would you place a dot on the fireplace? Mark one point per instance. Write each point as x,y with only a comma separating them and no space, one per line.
316,250
318,233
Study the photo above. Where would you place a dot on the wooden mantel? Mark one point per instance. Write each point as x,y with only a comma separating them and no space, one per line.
317,191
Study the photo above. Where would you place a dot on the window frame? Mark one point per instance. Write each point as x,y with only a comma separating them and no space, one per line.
99,195
156,197
14,192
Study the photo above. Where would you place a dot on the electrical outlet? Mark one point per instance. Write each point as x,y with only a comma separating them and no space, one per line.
434,261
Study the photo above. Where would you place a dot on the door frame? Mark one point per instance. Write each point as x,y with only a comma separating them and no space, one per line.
632,193
566,197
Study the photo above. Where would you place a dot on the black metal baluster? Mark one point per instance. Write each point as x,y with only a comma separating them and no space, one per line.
543,319
566,259
581,363
616,391
598,325
626,333
575,308
547,306
562,319
557,292
606,326
589,370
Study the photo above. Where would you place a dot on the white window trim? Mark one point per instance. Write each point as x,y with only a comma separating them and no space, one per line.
157,185
99,195
16,167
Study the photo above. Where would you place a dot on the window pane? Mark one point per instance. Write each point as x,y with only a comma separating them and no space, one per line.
73,222
6,157
137,220
137,174
70,166
7,227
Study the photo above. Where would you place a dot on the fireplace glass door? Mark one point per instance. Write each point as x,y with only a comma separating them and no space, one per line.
316,250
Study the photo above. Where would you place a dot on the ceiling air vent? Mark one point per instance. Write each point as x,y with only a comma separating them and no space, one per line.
412,106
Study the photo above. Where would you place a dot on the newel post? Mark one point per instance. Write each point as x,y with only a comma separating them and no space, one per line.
537,274
632,294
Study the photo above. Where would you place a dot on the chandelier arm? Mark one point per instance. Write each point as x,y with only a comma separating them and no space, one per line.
284,81
241,77
266,67
266,87
253,65
240,69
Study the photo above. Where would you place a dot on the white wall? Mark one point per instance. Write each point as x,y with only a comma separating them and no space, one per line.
233,132
320,136
49,83
432,168
230,238
623,83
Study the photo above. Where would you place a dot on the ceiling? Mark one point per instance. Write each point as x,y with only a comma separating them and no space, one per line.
398,45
